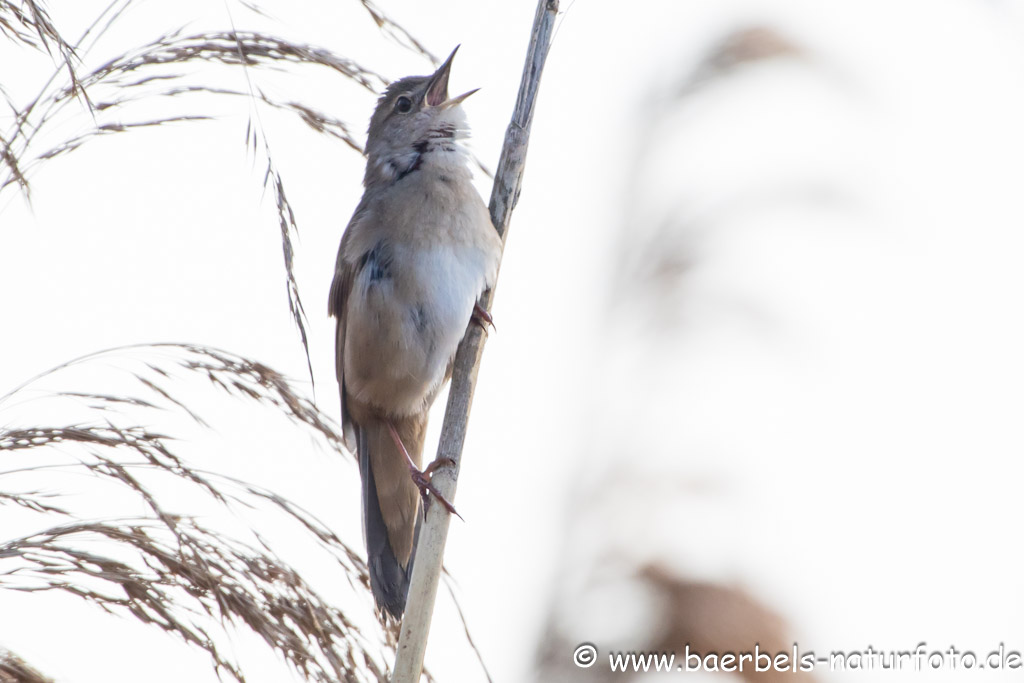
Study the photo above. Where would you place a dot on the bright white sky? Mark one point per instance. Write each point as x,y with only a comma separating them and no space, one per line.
836,382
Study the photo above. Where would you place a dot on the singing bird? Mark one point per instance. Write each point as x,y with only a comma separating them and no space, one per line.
415,258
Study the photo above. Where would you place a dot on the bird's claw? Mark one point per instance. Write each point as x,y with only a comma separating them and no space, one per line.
422,481
422,477
482,318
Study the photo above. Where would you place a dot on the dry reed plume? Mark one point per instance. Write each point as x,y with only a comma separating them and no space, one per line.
103,88
164,568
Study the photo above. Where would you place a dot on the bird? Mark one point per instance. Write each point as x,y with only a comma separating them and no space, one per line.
414,260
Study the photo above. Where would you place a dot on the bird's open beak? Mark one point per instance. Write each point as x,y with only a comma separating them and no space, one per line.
455,100
437,90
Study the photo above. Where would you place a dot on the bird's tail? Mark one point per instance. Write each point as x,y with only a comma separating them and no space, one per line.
391,506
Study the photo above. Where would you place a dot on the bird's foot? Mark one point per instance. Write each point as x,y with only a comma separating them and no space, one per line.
422,481
422,477
482,318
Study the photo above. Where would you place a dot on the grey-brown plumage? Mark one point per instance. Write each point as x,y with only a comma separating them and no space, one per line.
417,254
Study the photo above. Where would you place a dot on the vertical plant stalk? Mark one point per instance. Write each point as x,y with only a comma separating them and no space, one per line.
412,641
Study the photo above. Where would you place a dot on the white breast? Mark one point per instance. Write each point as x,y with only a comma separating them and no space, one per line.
449,280
402,332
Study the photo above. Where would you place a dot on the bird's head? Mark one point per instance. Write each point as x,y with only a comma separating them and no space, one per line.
413,117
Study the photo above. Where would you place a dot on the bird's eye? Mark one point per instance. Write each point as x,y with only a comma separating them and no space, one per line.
403,105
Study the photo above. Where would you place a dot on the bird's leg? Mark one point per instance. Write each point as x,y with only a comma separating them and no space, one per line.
482,318
422,477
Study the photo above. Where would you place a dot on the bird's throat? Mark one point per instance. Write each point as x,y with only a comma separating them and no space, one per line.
440,148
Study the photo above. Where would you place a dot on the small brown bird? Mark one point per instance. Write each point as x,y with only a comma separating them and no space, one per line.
416,256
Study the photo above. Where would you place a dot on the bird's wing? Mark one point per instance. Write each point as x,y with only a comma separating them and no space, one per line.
337,306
